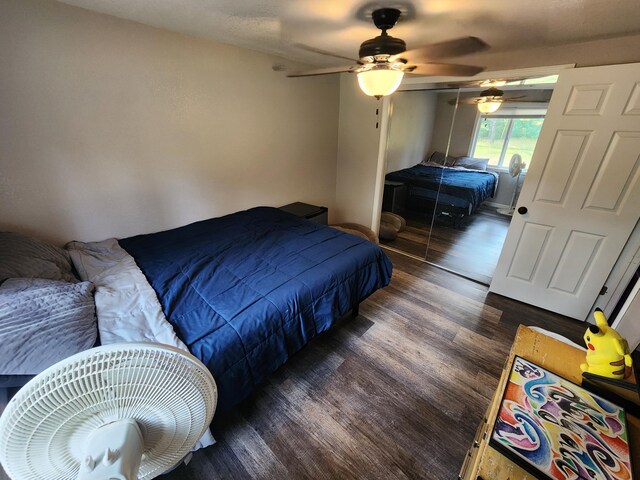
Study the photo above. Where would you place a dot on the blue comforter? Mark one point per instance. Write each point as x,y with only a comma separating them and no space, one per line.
460,188
247,290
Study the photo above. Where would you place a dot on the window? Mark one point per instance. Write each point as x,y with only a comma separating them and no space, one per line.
498,136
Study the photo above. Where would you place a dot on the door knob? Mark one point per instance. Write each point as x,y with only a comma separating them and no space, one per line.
522,210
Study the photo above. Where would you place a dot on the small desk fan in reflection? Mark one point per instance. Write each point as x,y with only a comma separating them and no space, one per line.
516,164
125,411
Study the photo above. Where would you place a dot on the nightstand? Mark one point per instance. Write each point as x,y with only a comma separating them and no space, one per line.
310,212
395,197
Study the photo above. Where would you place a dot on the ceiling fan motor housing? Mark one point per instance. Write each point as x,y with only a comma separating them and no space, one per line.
384,19
382,45
492,92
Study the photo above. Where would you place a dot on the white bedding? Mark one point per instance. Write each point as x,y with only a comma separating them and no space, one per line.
126,305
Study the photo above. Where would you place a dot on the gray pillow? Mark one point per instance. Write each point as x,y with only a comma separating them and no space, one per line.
28,257
43,322
441,159
472,163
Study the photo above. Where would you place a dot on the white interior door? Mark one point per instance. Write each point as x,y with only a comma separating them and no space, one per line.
627,322
582,193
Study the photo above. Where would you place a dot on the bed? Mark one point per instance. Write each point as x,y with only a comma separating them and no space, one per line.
454,191
242,292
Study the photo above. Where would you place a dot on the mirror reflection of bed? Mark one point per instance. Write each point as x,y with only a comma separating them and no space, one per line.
448,183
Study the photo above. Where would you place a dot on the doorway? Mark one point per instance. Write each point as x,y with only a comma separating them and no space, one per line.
448,179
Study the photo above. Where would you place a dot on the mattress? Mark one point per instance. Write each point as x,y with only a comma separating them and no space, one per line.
246,291
458,187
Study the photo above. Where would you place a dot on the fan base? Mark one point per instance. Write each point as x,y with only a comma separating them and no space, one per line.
113,451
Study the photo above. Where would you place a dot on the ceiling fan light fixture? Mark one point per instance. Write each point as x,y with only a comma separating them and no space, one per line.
378,82
489,105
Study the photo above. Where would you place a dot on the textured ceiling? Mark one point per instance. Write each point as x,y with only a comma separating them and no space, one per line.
339,26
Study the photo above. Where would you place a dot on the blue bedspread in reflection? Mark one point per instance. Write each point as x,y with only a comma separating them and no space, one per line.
458,187
247,290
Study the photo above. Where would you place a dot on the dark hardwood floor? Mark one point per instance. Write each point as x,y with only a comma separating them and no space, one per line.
395,393
472,248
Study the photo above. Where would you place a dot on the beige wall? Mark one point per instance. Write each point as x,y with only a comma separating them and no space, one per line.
463,120
112,128
358,146
412,121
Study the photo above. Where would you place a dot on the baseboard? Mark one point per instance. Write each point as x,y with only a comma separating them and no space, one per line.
496,205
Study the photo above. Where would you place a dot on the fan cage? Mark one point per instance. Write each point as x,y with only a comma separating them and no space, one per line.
168,392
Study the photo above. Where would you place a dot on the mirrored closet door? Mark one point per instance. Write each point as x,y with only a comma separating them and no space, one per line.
421,123
454,172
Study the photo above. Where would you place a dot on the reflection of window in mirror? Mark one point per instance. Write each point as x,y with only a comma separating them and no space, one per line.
497,136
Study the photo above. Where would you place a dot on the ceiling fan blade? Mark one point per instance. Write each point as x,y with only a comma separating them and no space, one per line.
524,101
448,49
323,52
321,71
443,69
475,100
481,83
462,101
514,98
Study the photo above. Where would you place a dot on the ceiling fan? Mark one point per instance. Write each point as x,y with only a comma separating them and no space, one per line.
491,99
384,60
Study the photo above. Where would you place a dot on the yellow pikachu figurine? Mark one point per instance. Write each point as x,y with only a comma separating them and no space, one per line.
607,351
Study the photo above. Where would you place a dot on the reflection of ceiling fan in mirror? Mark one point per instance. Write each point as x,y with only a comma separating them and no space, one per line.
491,99
510,82
384,60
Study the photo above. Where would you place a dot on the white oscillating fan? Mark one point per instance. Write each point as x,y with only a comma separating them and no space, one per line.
126,411
516,164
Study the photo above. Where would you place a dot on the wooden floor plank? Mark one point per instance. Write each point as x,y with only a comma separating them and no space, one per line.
220,467
251,450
